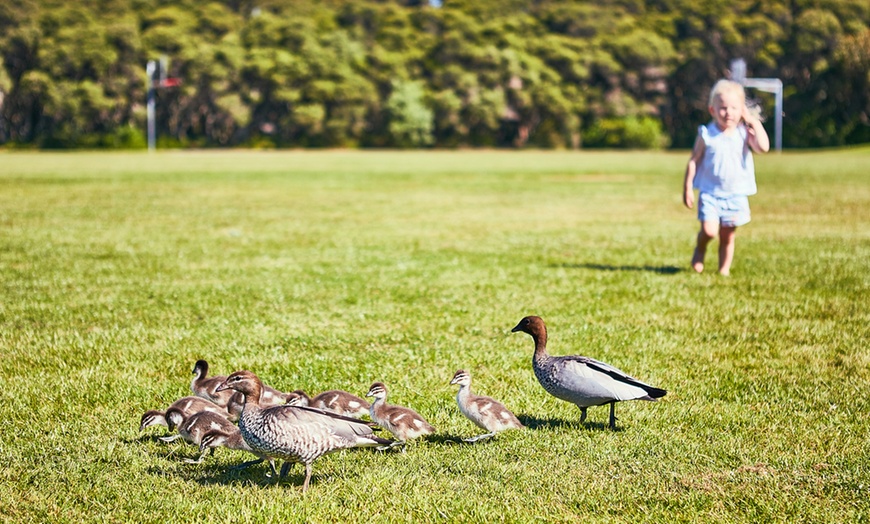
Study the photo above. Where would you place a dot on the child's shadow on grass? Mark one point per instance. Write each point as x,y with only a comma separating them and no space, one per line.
662,270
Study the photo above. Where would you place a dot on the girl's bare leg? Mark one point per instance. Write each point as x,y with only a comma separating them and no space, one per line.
705,235
727,236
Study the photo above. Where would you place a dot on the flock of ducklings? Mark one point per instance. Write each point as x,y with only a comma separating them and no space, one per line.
240,412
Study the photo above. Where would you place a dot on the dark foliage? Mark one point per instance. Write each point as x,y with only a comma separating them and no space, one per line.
366,73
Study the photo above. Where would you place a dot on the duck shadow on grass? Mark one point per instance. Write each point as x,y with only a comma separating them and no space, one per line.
450,440
662,270
213,472
535,423
259,474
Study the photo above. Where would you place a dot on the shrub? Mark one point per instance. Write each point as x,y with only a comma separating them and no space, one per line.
629,133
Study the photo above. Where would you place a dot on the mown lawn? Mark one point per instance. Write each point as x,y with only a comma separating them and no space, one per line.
333,269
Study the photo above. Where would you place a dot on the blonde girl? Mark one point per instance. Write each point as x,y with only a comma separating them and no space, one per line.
722,170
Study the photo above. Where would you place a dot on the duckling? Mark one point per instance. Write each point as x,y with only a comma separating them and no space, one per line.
335,401
206,387
294,433
195,426
232,439
404,423
186,405
487,413
177,419
582,380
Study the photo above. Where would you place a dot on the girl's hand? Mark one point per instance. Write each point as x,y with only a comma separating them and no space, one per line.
688,198
756,134
747,117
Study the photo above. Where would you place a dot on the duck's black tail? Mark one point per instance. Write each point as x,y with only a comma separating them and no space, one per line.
653,393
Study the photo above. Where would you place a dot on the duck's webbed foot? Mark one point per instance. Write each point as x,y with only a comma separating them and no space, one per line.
197,460
392,445
472,440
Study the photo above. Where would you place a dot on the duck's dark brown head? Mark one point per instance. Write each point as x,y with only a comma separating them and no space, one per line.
535,327
532,325
245,383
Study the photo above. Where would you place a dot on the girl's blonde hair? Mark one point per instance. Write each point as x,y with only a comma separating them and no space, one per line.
730,86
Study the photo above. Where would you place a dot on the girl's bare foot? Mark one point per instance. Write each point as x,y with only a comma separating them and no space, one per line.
698,261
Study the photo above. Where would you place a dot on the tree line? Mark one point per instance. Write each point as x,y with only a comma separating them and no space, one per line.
391,73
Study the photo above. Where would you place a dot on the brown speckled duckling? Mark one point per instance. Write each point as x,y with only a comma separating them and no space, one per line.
206,387
195,426
487,413
404,423
232,439
186,406
293,433
582,380
335,401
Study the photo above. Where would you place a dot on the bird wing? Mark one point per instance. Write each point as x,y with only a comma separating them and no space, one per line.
484,405
620,380
490,412
305,416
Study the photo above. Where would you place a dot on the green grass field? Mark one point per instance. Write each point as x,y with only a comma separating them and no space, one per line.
334,269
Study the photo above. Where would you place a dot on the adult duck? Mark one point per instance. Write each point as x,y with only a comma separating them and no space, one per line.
580,380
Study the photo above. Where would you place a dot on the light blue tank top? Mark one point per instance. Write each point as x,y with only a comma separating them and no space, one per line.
727,168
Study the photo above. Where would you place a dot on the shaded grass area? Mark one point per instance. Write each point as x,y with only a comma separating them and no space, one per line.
322,270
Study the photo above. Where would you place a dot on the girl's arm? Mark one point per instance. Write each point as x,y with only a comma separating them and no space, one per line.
756,136
691,169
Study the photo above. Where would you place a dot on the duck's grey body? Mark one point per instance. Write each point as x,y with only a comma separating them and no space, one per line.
587,382
581,380
293,433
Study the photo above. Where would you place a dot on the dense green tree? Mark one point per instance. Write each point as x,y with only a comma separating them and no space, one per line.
400,73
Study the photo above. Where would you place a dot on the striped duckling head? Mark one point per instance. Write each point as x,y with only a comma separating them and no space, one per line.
298,398
378,391
152,417
461,378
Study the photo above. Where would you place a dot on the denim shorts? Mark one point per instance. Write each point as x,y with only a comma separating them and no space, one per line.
729,212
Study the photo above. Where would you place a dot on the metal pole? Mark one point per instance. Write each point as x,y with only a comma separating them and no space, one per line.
152,128
778,120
